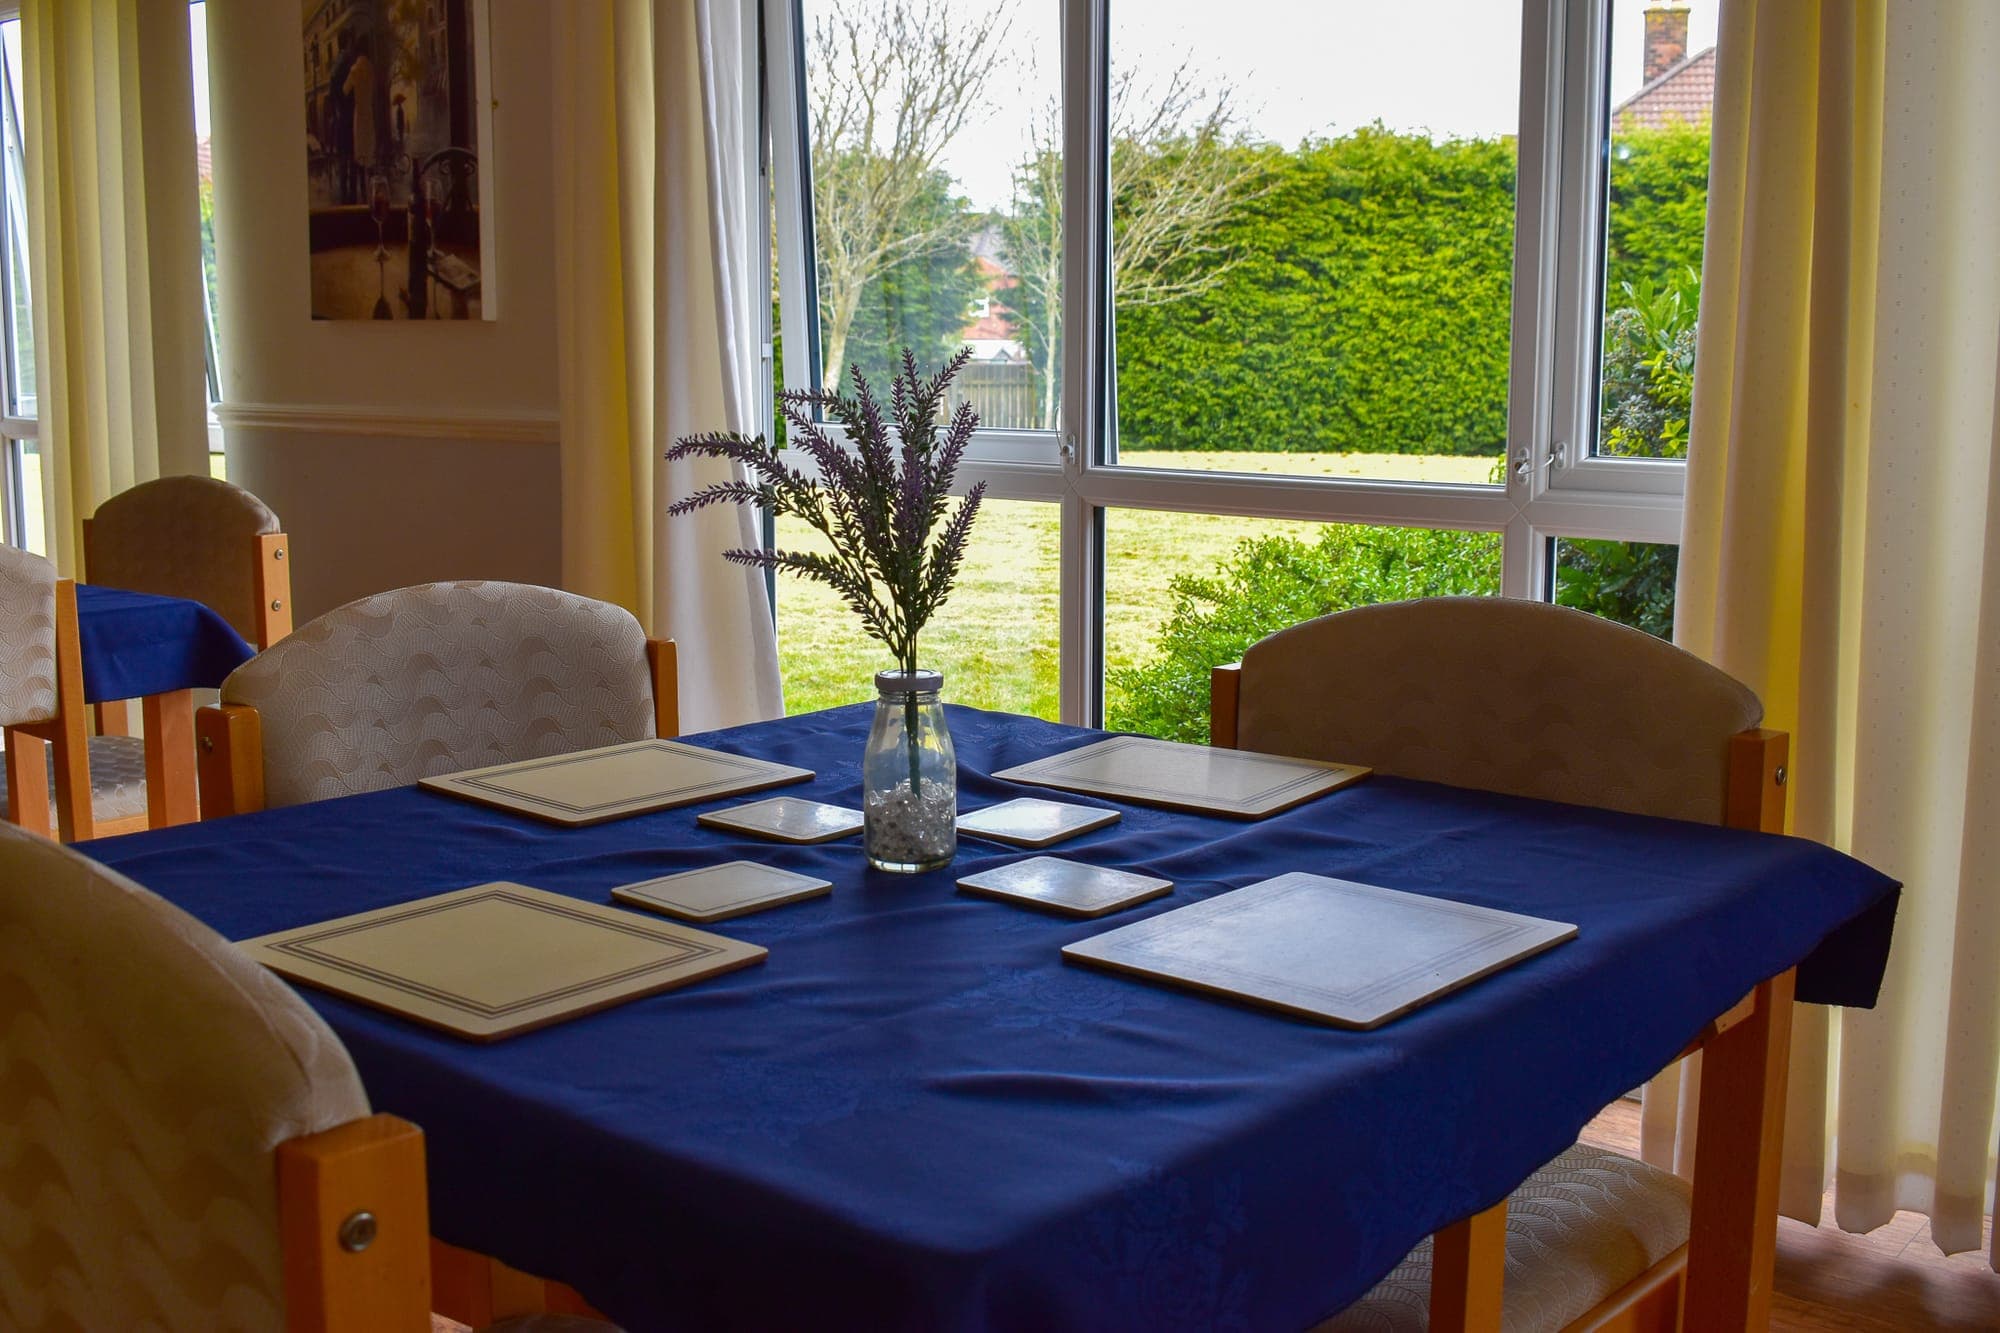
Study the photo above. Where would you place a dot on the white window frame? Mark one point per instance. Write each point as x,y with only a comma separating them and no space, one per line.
15,430
1554,487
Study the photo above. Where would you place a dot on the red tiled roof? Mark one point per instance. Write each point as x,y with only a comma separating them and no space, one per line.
204,161
1683,93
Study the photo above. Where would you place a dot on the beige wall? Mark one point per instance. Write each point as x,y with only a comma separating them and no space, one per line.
395,453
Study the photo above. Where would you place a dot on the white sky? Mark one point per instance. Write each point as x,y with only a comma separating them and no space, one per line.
198,37
1296,67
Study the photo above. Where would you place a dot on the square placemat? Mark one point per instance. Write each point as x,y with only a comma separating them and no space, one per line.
1069,887
1030,821
785,819
1202,779
1353,955
497,959
613,781
716,893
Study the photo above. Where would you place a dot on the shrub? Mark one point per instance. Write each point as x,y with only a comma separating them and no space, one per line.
1629,582
1269,583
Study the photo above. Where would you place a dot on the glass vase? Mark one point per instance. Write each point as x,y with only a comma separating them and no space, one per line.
909,777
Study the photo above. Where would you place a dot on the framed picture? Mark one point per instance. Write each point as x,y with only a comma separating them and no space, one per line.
396,127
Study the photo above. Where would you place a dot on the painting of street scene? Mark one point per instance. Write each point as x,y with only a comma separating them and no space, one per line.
392,159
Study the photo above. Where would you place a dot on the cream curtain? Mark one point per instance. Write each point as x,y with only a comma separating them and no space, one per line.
1841,547
660,283
114,252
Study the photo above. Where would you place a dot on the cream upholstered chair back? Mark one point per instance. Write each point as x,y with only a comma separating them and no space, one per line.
186,537
441,677
1504,695
27,637
148,1071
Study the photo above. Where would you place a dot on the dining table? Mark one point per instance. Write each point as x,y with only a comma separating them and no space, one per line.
915,1114
158,650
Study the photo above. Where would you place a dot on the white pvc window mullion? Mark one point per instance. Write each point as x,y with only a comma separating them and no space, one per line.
791,183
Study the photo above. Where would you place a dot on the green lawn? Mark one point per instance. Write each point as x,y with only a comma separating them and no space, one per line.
995,640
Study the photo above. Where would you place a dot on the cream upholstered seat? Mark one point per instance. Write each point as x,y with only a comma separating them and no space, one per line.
1531,700
1578,1230
148,1072
33,694
151,1079
192,537
441,677
1503,695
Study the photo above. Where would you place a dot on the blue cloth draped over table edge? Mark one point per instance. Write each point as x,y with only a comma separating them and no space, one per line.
137,643
915,1115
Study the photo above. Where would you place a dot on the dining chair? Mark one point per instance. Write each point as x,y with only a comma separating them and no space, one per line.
431,679
1525,699
200,538
189,1146
97,784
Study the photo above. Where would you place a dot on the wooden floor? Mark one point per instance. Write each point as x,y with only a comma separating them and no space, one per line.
1892,1280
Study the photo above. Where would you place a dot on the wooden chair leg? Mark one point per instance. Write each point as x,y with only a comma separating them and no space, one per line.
114,718
354,1221
1733,1233
170,778
69,732
1225,693
229,758
28,782
1468,1268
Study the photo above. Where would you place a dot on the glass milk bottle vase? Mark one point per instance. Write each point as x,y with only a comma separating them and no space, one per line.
909,777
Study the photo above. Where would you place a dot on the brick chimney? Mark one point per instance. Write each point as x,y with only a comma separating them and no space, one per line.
1666,39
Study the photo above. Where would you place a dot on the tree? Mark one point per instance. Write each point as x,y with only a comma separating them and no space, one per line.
895,82
1177,176
920,300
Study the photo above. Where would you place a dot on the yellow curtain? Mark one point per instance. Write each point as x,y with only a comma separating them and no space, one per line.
1839,548
659,297
114,251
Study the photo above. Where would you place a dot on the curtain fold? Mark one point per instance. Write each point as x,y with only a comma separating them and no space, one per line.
659,285
114,252
1838,549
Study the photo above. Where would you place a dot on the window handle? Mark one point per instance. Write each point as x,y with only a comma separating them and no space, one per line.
1556,460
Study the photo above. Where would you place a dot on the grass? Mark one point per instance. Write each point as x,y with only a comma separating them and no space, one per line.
996,639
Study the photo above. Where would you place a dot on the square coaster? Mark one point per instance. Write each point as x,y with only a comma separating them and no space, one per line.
1029,821
786,819
1069,887
716,893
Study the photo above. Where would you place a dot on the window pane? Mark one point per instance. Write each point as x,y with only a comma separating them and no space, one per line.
205,179
1662,85
937,193
27,458
1629,582
1187,592
1313,234
995,640
20,323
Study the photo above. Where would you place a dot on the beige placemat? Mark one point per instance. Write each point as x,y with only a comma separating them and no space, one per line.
591,786
498,959
1240,784
1349,954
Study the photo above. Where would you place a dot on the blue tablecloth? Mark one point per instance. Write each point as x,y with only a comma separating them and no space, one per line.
913,1115
137,643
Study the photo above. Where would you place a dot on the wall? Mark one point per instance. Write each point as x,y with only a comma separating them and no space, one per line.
395,453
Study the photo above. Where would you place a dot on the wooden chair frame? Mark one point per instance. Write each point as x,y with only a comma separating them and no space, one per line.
28,745
354,1230
1721,1279
229,739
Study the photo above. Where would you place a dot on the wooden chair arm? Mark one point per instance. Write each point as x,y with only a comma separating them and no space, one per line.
1755,792
229,759
273,583
663,661
354,1224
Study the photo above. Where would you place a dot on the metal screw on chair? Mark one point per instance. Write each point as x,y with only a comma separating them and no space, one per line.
1780,775
357,1233
278,554
207,744
277,603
